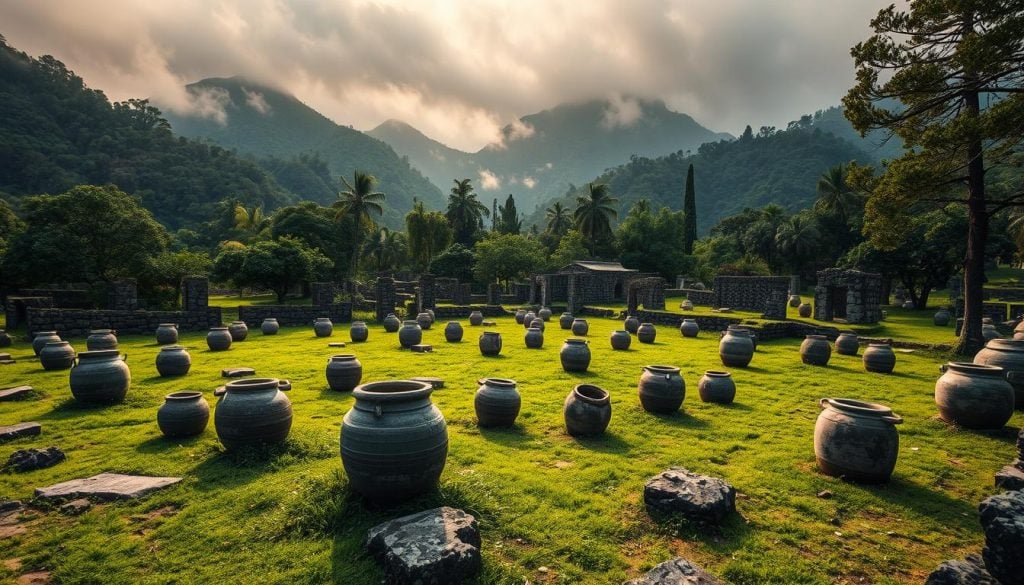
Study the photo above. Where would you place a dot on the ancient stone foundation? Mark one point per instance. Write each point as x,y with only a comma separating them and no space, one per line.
753,293
850,295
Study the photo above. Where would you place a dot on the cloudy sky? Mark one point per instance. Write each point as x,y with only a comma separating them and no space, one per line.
461,69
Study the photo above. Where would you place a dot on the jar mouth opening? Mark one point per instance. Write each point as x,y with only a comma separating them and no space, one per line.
859,406
1007,344
621,331
363,323
392,390
100,331
880,345
169,325
410,322
980,369
173,348
592,394
501,382
343,357
580,320
38,333
717,374
218,328
56,343
662,369
253,384
577,341
238,322
99,353
184,396
491,333
816,337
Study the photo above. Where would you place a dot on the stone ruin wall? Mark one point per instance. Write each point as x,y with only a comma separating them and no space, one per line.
766,294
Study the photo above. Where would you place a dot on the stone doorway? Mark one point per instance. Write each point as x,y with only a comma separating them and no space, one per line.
838,305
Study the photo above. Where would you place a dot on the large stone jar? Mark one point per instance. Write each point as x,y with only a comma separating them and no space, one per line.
631,324
575,355
847,343
718,387
100,377
749,331
879,358
344,372
794,301
497,402
544,313
183,414
646,333
534,337
580,327
394,441
989,332
942,317
424,320
391,323
57,355
735,349
41,338
538,323
565,320
689,328
167,333
490,343
218,339
323,327
410,334
453,332
804,310
661,389
856,440
433,317
528,319
621,339
476,318
815,350
101,339
270,326
520,314
1009,355
238,330
587,410
173,360
358,331
974,396
252,411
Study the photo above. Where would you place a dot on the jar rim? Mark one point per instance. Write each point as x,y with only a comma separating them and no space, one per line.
342,357
253,384
717,374
860,407
183,396
662,369
979,369
99,353
592,393
392,391
501,382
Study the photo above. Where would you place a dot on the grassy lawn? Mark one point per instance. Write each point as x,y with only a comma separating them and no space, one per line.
543,498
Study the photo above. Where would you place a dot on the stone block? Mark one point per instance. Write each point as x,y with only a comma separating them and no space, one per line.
675,572
106,486
25,429
697,497
440,546
15,393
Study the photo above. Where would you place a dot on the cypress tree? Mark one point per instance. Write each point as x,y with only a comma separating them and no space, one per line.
690,211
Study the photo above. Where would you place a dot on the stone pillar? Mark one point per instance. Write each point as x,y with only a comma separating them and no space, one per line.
794,284
322,293
428,292
545,291
123,295
534,292
386,297
493,294
574,294
463,294
195,293
775,306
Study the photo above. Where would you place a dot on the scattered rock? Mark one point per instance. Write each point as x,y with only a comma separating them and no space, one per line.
237,372
437,547
10,506
5,356
436,383
489,323
675,572
220,390
106,486
421,348
697,497
25,429
7,362
824,494
32,459
1011,477
970,571
1002,519
75,507
14,393
336,344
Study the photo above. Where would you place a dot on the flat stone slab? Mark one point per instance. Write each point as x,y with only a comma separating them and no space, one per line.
336,344
7,362
421,348
5,356
489,323
32,459
675,572
106,486
25,429
970,571
697,497
220,390
435,383
14,393
1010,477
1002,519
237,372
440,546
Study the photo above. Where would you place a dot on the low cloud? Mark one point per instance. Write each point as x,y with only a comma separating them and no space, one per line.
210,103
257,101
489,181
621,112
529,182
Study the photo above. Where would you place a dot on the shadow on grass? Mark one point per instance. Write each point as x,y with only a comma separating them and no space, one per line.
163,444
247,464
922,500
607,442
513,436
724,538
679,418
731,406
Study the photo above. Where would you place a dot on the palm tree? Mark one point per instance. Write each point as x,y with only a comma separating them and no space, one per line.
465,212
356,202
834,195
386,249
559,221
250,220
595,212
798,238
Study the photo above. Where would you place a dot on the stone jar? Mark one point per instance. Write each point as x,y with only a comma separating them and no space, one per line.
520,314
497,402
270,326
323,327
544,313
575,355
631,324
394,441
847,343
490,343
989,332
856,440
5,339
358,332
433,317
101,339
735,349
410,334
57,355
424,320
815,350
528,319
661,389
718,387
167,333
453,332
804,310
974,396
252,411
344,372
100,377
646,333
391,323
476,318
41,338
1009,355
218,339
794,301
538,323
565,320
879,358
238,330
587,410
689,328
621,339
942,317
749,331
534,337
173,360
580,327
183,414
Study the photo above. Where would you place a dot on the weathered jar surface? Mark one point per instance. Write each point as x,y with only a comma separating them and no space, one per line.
167,333
344,372
476,318
646,333
587,411
856,440
847,343
879,358
815,350
218,339
410,334
101,339
358,332
57,355
631,324
323,327
497,402
794,301
173,360
520,314
689,328
41,338
661,389
621,340
270,326
490,343
391,323
746,330
544,313
529,318
424,320
575,355
252,411
580,327
100,377
716,386
989,332
565,320
183,414
534,338
804,310
1009,355
735,349
238,330
942,317
5,339
974,396
453,332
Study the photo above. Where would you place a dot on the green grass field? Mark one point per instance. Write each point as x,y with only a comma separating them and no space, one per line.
543,498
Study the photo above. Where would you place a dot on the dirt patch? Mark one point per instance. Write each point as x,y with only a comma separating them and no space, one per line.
36,578
161,512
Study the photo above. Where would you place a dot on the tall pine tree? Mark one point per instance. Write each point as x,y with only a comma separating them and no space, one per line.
690,209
